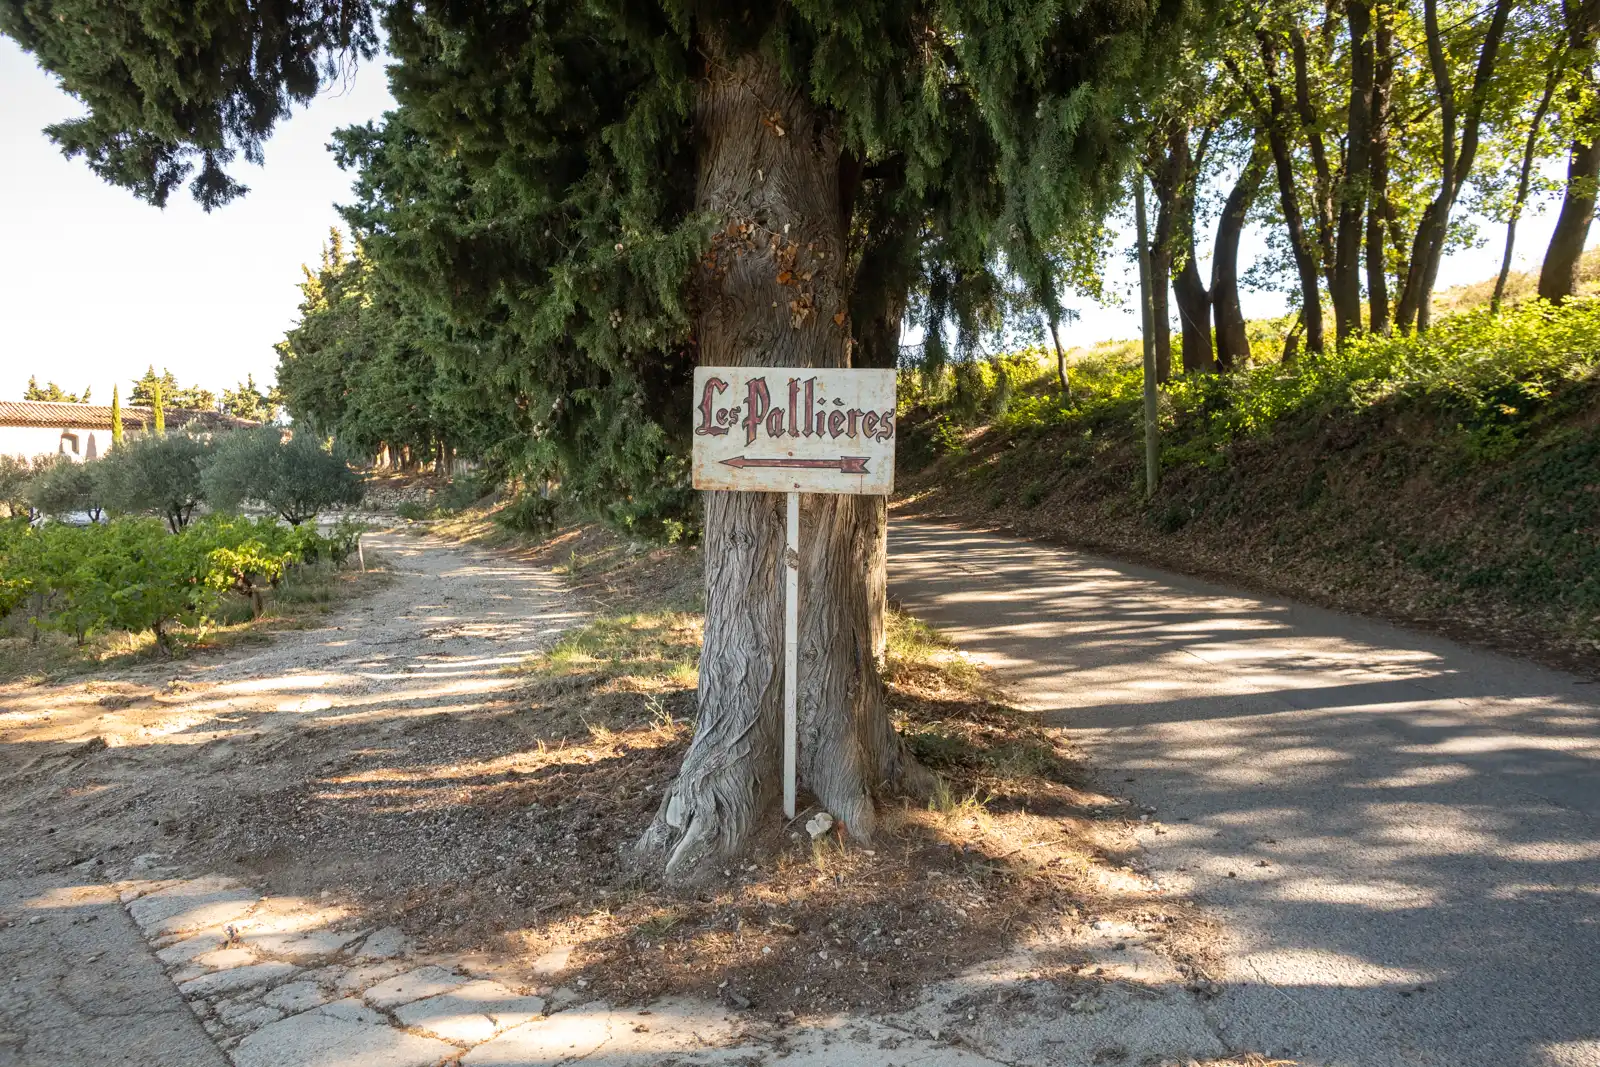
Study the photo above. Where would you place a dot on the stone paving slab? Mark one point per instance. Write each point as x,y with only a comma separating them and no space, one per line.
471,1014
427,981
190,905
316,1040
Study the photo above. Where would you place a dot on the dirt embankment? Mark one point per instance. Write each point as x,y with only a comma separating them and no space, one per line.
1388,513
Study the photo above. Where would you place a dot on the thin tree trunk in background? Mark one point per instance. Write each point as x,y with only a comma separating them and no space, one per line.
1357,181
1275,116
877,307
1525,176
1322,192
1189,292
1165,180
1416,302
1558,278
1233,344
1378,190
730,777
1152,441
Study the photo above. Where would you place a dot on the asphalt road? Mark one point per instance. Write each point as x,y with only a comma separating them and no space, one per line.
1400,835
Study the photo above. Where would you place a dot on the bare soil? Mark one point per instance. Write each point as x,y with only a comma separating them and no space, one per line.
437,756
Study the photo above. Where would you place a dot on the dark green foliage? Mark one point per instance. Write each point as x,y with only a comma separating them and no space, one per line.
291,474
530,205
528,513
62,487
54,393
248,401
163,390
171,86
156,475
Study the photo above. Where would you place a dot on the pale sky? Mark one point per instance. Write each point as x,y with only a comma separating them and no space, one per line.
95,285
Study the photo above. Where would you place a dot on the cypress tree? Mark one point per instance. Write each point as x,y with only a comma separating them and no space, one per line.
592,198
158,412
116,416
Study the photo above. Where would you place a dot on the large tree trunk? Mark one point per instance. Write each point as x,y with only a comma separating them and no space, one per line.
1276,116
1427,250
1233,344
1558,278
769,172
1378,190
1353,188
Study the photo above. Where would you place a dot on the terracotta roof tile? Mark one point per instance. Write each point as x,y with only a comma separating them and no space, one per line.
50,414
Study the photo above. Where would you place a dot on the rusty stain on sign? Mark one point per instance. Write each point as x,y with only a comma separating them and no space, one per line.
784,429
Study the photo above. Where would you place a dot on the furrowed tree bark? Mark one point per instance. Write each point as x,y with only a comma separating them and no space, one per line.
1524,177
1354,186
1558,278
768,172
1194,302
1378,188
1233,344
1274,118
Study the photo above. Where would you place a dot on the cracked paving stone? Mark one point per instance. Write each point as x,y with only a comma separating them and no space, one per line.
233,981
295,996
354,1010
316,1040
427,981
568,1036
189,905
474,1013
302,947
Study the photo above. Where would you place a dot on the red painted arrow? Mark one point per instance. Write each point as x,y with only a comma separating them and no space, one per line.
844,464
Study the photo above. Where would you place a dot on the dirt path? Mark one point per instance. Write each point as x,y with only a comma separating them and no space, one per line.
204,863
1401,835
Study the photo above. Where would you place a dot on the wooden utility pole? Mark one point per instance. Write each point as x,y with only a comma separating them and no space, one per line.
1152,443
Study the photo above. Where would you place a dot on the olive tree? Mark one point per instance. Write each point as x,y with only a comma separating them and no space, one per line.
154,475
290,473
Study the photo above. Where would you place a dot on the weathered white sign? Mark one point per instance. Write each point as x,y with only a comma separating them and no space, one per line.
788,430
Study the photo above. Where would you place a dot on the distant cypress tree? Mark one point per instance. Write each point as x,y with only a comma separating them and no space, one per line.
116,415
160,415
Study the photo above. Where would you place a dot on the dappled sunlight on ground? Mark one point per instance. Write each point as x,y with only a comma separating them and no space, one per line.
1366,807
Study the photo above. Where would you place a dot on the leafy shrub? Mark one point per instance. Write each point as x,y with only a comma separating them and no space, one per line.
64,487
133,574
154,475
529,513
293,475
15,474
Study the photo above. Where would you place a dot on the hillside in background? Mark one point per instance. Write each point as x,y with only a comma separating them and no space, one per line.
1451,480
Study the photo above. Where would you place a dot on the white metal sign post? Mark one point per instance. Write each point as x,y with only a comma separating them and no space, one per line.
794,430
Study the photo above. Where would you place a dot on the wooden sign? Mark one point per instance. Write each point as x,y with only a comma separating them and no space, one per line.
794,430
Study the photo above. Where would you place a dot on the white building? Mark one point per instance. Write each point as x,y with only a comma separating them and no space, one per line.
31,428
